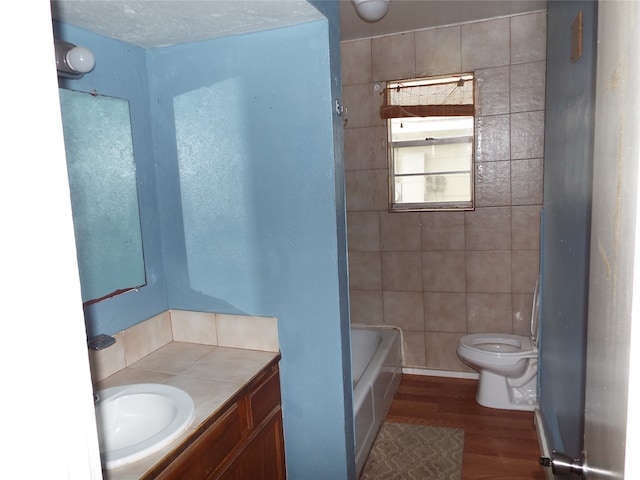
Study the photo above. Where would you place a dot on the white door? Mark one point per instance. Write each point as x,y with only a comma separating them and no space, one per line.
610,434
48,417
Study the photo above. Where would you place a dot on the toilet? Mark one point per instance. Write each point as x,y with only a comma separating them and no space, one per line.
508,365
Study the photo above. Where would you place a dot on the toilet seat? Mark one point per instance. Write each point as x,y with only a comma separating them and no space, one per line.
498,344
509,353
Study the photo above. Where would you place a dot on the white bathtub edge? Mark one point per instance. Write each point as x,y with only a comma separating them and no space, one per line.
370,401
385,327
439,373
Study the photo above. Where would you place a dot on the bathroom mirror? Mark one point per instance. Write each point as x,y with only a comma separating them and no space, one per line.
104,197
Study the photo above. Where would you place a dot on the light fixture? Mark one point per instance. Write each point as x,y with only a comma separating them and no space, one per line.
371,10
72,61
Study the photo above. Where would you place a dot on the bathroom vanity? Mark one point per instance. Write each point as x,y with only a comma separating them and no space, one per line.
243,439
229,366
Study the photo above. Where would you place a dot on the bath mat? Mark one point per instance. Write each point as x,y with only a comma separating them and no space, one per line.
405,452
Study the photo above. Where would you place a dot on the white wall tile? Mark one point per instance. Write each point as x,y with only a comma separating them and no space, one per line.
438,51
527,178
492,91
365,270
146,337
527,86
393,57
108,361
194,327
529,37
361,111
493,139
356,61
366,190
527,135
404,309
485,44
252,333
366,307
365,148
493,184
363,232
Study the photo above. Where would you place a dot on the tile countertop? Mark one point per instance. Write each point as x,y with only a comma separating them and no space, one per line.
210,374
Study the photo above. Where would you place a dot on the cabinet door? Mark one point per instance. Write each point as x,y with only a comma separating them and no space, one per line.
263,399
263,457
209,451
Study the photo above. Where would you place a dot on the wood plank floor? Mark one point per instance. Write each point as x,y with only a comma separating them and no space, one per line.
498,444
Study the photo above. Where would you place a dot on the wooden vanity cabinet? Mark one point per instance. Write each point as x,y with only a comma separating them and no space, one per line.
243,440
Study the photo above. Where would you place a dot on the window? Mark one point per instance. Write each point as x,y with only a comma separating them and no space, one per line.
431,142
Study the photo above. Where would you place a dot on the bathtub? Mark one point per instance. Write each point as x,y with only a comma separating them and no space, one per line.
376,365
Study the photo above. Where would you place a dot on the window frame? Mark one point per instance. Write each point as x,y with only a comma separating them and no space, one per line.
389,112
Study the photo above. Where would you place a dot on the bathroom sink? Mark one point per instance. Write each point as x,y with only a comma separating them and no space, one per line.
139,419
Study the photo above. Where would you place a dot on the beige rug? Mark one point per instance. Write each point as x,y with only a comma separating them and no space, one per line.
403,451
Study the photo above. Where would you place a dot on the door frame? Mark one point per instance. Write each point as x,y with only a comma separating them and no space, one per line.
611,430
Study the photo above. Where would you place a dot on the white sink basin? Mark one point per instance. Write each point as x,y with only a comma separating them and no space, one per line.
136,420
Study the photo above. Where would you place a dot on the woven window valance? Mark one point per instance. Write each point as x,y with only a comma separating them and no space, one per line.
433,97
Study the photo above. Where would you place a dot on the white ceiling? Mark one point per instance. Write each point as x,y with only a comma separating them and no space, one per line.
156,23
153,23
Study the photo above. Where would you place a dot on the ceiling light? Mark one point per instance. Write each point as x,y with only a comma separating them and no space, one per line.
72,61
371,10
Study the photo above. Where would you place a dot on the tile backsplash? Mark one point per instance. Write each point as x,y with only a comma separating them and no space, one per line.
441,275
222,330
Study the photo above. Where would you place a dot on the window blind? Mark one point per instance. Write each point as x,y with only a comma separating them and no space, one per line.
441,97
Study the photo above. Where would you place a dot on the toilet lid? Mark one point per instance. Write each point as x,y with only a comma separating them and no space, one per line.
535,311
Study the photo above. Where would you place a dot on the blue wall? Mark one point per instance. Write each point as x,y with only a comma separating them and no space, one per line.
244,153
257,183
568,174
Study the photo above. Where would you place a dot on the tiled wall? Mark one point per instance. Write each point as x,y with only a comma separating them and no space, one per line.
441,275
222,330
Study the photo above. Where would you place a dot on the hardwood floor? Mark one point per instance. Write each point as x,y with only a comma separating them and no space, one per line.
498,444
